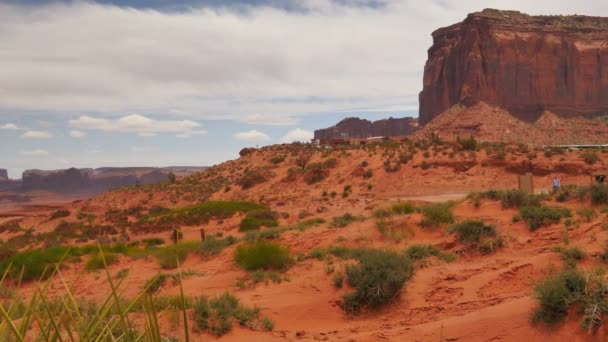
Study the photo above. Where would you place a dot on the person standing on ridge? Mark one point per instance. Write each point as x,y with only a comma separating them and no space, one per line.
556,184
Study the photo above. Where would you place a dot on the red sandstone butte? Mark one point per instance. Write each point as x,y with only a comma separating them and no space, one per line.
524,64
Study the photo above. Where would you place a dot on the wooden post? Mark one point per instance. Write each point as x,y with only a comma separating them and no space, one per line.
526,183
175,236
202,234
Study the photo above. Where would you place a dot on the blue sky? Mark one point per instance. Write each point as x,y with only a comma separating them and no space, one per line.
159,82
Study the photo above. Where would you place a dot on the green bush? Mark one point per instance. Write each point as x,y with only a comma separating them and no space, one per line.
472,231
262,254
421,252
537,217
403,208
587,213
96,261
338,279
377,279
152,242
217,314
256,219
214,246
170,256
599,194
251,178
590,157
200,213
571,255
437,214
469,144
555,293
514,198
344,220
36,263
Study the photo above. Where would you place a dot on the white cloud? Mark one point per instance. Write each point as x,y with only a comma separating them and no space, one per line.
141,149
139,124
252,135
35,153
77,134
226,64
297,134
191,133
36,135
9,126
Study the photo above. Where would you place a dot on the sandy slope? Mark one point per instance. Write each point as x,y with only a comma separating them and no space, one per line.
475,298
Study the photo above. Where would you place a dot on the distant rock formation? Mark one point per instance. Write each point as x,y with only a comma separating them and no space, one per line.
3,174
524,64
361,128
97,180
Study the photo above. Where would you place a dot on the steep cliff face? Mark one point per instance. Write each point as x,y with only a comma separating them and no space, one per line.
524,64
3,174
361,128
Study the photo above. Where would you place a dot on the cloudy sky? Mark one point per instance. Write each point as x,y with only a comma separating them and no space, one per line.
190,82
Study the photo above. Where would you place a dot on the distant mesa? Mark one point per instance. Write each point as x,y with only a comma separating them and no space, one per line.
524,64
3,174
92,181
362,128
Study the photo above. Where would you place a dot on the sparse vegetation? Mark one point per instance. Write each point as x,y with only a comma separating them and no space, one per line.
377,279
541,216
256,219
421,252
437,214
344,220
217,315
477,234
590,157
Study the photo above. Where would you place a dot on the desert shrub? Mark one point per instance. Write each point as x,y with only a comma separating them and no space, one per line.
368,174
590,157
421,252
437,214
477,233
571,255
403,208
154,284
277,160
217,314
171,256
59,214
338,279
36,263
317,253
96,261
469,144
200,213
152,242
472,231
256,219
587,213
315,175
555,294
262,254
214,246
599,194
390,167
344,220
541,216
377,279
251,178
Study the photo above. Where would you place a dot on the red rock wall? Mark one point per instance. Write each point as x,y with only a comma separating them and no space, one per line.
525,64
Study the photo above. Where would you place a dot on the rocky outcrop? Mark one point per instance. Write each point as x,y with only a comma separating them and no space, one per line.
524,64
361,128
3,174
